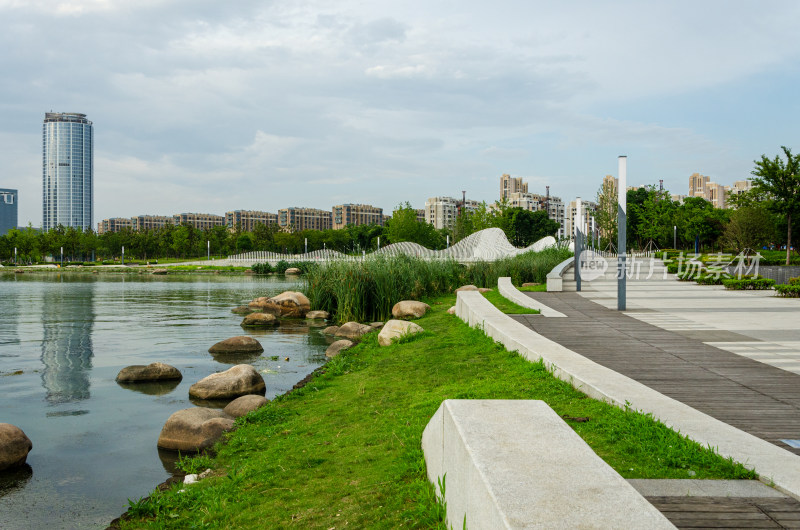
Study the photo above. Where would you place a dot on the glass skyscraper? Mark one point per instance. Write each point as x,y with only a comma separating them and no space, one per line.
67,171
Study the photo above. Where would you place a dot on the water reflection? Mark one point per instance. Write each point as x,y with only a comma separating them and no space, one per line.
15,479
152,388
67,343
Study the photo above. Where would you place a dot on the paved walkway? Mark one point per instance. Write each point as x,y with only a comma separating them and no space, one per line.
688,363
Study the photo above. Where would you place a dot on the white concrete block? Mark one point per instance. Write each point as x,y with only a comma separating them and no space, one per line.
516,464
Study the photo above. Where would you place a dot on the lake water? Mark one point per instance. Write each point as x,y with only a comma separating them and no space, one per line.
94,441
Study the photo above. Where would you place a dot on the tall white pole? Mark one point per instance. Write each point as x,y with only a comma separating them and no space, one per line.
622,228
577,228
208,246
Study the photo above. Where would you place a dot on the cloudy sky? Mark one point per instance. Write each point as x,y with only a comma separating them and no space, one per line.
210,106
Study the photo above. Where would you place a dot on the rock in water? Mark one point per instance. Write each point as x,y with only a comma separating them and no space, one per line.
238,381
152,372
409,309
292,270
14,446
259,320
352,330
324,315
194,429
330,330
242,405
242,310
292,304
263,304
337,347
394,329
240,344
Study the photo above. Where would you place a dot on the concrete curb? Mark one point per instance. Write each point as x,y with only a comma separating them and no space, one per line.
507,289
517,464
774,465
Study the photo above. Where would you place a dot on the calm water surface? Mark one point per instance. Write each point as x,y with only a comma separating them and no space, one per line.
94,441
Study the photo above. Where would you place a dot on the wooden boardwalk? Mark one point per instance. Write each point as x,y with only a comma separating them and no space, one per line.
754,397
729,512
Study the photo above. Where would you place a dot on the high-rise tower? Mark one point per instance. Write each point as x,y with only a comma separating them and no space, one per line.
67,170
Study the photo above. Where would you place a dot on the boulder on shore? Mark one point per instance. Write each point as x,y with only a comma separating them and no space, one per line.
242,405
409,309
194,429
330,330
259,320
531,284
242,310
395,329
338,347
466,288
323,315
292,270
139,373
14,446
158,271
376,325
352,330
484,290
452,310
292,304
239,344
238,381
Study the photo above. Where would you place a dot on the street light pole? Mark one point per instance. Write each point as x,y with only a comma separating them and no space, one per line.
123,254
622,226
62,257
675,237
208,245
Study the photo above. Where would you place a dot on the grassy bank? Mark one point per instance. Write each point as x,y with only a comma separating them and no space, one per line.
345,449
366,291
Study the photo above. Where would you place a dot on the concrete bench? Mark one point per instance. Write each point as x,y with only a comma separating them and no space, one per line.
555,277
507,289
517,464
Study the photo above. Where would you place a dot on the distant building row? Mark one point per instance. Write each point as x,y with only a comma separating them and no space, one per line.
294,219
515,192
716,194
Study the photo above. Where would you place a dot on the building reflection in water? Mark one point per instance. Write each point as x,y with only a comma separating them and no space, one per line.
68,318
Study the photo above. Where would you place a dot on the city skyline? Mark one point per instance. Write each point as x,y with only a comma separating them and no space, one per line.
262,106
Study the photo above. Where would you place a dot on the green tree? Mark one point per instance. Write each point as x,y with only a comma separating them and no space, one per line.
526,227
404,226
780,180
751,227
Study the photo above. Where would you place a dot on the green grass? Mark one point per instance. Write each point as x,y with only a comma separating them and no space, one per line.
507,306
541,288
345,449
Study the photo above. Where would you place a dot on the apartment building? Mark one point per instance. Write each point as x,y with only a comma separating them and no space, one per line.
201,221
716,194
296,219
588,225
355,214
246,220
115,224
151,222
510,185
441,212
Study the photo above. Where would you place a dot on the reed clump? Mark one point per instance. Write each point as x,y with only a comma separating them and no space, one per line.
366,291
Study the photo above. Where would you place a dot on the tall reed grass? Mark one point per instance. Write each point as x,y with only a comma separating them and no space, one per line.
367,290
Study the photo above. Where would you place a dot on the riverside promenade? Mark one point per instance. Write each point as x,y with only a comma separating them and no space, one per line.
733,355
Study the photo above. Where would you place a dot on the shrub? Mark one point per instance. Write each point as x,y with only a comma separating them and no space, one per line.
756,284
791,290
261,268
794,281
710,279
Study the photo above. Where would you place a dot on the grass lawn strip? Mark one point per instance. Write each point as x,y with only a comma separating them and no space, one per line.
345,449
541,288
507,306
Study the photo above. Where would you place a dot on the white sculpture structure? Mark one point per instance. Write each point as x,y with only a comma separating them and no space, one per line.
487,245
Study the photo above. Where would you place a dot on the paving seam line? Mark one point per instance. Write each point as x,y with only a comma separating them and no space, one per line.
776,467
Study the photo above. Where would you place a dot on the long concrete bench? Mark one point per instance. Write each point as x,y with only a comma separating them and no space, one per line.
507,289
555,277
775,466
516,464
